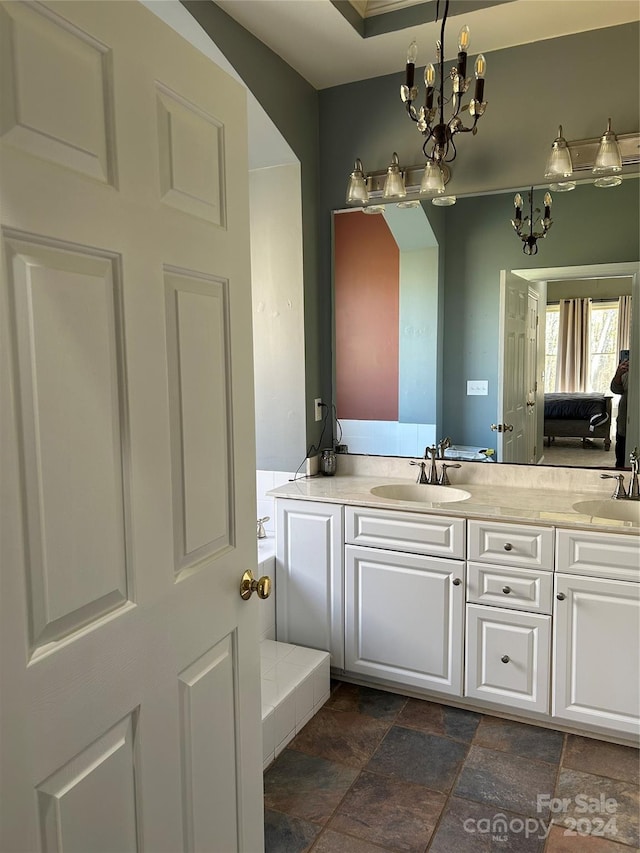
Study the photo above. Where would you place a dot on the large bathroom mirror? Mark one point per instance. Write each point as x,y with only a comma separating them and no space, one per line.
421,310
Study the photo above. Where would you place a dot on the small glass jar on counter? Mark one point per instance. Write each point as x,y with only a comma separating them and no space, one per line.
328,463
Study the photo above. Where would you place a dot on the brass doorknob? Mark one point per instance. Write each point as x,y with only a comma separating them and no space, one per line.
249,585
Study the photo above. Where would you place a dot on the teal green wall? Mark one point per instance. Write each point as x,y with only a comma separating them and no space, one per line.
292,105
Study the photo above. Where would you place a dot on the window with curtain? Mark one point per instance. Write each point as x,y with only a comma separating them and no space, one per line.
603,340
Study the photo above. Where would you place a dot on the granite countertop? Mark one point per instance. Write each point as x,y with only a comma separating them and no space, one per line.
490,501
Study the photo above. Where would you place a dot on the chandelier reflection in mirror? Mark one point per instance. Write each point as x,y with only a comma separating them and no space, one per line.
524,228
439,145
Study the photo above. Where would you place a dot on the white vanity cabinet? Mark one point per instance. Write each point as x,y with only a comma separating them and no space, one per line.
538,621
508,624
310,576
597,630
404,598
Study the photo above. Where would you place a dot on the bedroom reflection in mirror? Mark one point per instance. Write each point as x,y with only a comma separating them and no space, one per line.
584,336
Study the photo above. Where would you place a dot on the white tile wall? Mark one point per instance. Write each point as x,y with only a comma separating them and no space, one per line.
265,481
400,439
295,685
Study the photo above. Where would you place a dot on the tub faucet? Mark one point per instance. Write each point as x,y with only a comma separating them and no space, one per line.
261,531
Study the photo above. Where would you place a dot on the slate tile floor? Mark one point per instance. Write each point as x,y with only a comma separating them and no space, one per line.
375,771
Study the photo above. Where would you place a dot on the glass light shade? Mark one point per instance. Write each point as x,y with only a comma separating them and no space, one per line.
394,182
357,192
608,181
432,180
480,67
608,158
548,201
443,200
463,39
412,52
559,164
562,186
517,201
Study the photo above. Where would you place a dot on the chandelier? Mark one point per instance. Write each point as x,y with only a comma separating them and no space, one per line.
439,145
524,227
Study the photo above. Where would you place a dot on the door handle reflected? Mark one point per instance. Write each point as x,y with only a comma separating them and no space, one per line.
249,585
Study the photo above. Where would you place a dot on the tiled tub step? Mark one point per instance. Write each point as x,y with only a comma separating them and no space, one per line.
295,684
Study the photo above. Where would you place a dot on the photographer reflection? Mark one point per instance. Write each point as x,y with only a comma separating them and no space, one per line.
619,385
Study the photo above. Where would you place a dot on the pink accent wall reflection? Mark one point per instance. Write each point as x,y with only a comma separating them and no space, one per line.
367,271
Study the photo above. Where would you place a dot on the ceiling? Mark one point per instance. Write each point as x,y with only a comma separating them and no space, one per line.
331,43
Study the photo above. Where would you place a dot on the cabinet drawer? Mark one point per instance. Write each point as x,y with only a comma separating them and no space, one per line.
508,657
412,532
522,589
604,555
519,545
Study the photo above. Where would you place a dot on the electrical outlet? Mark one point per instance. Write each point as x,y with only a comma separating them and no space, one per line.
318,408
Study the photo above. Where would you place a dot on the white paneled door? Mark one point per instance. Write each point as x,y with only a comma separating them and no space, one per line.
512,392
130,704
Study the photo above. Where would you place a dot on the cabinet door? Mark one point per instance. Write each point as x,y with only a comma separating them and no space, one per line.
309,576
508,657
404,618
597,652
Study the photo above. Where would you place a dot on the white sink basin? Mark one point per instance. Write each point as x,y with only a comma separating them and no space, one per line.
618,510
420,493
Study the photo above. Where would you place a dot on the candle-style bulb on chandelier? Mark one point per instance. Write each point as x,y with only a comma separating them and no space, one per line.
439,132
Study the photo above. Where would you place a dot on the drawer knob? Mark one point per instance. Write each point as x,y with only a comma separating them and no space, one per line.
506,590
508,547
505,658
456,581
561,596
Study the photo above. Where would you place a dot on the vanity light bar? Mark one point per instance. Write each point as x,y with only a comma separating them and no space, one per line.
412,179
584,151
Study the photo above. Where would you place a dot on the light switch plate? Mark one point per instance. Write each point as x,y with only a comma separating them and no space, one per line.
479,387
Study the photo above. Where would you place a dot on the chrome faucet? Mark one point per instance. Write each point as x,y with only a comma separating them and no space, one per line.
431,478
431,453
634,486
619,493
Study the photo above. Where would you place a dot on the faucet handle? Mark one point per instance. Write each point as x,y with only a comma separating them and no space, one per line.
422,477
619,491
444,479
